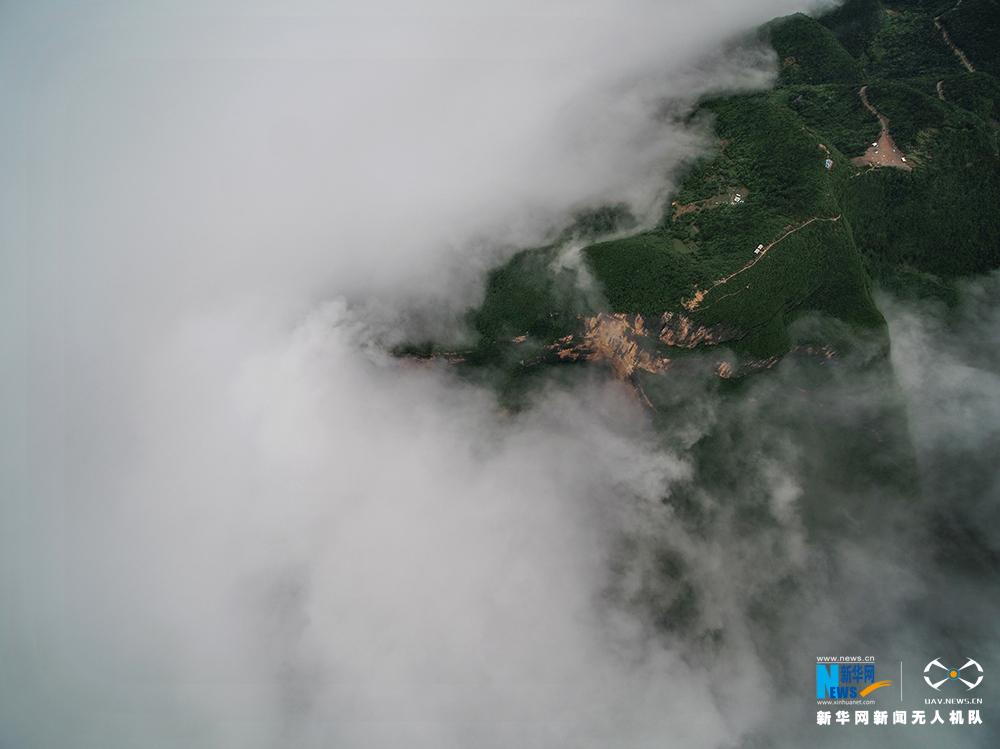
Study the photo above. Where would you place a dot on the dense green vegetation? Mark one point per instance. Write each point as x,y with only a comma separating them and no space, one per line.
643,273
836,114
831,233
768,149
600,222
908,46
975,92
528,296
973,27
910,112
816,268
785,180
810,54
855,24
939,219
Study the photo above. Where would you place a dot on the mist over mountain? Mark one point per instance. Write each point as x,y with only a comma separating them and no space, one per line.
371,376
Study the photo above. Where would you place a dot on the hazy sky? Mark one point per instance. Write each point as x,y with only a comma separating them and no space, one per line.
229,518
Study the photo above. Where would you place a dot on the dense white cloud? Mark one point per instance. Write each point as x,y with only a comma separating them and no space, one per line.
232,520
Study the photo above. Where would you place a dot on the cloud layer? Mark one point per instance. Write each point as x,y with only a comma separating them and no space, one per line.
234,521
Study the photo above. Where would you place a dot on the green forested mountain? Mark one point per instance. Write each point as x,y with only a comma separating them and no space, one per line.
873,161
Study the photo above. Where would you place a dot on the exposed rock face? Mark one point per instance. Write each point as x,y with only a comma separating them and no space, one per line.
616,338
627,341
678,330
821,354
731,371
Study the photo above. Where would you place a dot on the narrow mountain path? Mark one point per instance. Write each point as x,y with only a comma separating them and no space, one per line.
954,47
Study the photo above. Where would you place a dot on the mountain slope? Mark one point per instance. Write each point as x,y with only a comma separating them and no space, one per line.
874,160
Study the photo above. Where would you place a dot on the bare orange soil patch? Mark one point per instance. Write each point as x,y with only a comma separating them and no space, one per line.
884,151
627,340
627,343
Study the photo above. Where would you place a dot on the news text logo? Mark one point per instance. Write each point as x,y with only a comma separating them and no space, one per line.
839,680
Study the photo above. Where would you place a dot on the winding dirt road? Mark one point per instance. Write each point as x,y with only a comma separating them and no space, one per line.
692,303
954,47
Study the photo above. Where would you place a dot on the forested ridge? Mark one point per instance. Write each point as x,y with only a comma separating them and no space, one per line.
795,210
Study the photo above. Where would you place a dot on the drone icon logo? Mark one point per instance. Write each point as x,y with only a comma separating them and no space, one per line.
954,674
